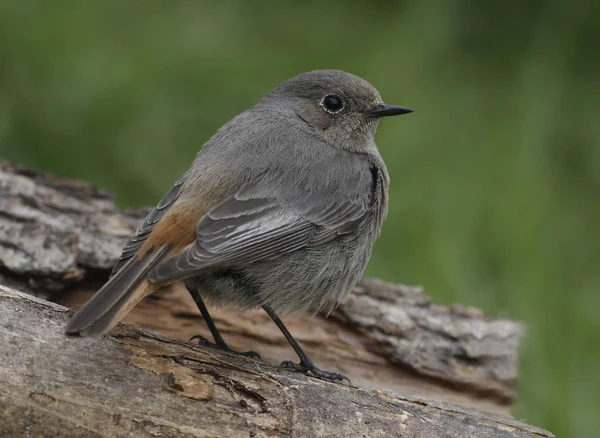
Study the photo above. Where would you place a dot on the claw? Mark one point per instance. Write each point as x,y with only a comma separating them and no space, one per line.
223,347
201,340
307,368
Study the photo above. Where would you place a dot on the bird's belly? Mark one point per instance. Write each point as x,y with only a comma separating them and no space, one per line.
311,279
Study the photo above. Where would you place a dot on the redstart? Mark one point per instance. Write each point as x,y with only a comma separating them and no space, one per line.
279,210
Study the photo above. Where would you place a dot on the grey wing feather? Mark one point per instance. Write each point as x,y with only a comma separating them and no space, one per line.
255,225
147,225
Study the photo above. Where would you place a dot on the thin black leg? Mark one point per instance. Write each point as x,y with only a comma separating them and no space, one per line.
207,318
219,341
306,365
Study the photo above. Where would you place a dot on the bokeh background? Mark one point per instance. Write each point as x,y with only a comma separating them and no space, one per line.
495,194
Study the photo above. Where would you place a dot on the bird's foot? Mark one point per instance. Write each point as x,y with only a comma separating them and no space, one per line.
309,367
223,347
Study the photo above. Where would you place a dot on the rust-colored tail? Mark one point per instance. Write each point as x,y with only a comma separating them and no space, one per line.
116,298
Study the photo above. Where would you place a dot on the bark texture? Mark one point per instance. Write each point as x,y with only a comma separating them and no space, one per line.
59,239
139,383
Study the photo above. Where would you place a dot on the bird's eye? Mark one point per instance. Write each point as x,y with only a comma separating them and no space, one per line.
332,104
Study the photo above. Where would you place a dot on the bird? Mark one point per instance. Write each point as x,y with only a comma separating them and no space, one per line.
279,210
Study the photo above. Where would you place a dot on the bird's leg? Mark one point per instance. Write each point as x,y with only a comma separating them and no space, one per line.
306,365
219,343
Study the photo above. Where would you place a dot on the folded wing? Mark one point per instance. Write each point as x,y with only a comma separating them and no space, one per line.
261,222
146,227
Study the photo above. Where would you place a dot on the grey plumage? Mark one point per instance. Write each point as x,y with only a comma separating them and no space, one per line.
301,241
287,200
147,225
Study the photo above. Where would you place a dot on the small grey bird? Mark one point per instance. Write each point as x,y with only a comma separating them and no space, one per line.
279,210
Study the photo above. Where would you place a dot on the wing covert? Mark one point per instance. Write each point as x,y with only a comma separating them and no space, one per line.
147,225
261,222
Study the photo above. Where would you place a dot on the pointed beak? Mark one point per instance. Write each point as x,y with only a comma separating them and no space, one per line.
385,110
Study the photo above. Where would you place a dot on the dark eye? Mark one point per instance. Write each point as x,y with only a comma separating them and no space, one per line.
332,104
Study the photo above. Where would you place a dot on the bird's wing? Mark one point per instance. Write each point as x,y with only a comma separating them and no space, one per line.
262,222
146,227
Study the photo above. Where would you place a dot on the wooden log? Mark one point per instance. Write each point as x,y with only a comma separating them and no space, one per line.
59,239
139,383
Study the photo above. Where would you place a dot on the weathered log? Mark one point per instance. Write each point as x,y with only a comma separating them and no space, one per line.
59,239
139,383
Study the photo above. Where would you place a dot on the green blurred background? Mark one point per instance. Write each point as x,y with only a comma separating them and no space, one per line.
495,195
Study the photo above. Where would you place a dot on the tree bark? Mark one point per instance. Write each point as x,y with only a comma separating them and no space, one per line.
59,239
139,383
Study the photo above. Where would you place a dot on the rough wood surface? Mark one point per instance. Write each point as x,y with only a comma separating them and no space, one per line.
367,344
55,233
139,383
59,239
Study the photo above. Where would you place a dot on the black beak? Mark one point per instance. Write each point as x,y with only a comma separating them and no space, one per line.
385,110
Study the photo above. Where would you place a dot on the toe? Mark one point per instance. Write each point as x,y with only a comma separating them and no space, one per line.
200,340
252,354
289,365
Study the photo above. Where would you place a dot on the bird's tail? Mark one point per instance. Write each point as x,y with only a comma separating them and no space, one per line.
116,298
